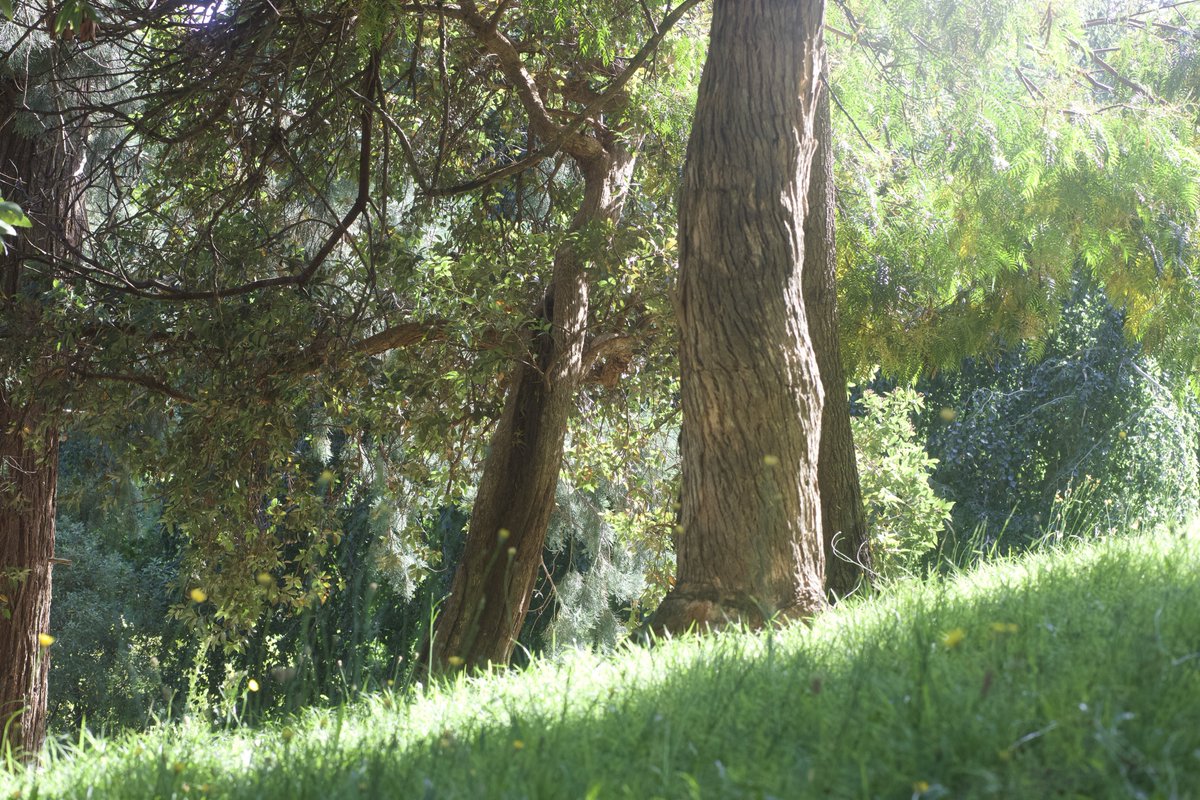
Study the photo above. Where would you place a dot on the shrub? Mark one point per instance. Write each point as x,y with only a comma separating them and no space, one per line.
903,512
1082,432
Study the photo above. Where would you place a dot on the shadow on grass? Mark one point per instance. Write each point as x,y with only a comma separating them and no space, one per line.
1067,674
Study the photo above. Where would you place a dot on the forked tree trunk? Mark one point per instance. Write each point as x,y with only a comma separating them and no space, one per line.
490,594
750,547
39,171
847,555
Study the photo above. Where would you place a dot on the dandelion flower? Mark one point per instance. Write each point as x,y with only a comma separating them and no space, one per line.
198,595
252,685
45,639
953,638
518,744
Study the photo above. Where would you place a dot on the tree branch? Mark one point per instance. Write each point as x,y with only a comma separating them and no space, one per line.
564,136
144,381
164,292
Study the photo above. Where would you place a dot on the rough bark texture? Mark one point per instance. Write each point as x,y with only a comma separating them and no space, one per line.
37,170
492,586
750,547
847,555
28,480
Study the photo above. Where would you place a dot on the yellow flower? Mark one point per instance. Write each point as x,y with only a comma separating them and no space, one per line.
45,639
771,461
455,661
948,414
252,685
921,787
1004,627
264,579
518,744
198,595
953,638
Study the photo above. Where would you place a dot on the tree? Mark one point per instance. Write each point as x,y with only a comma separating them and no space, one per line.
750,546
493,583
843,522
42,173
241,263
1045,138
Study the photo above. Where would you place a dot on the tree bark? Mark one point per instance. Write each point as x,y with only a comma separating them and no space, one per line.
847,555
490,594
28,480
750,548
39,171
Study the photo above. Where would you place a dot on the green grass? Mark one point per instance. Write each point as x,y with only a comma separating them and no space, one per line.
1074,672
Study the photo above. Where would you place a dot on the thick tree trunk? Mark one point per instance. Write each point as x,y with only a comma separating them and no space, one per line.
750,547
492,586
847,555
38,171
28,479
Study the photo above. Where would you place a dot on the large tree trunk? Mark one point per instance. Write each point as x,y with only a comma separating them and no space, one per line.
28,479
492,586
750,547
847,555
40,172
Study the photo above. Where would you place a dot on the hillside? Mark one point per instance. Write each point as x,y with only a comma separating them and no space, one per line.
1070,672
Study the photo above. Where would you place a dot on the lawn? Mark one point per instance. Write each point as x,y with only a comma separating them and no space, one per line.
1070,672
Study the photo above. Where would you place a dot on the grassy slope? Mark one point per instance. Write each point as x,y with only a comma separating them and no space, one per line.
1078,676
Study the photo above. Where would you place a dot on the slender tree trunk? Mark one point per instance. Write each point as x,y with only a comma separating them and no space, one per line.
492,586
750,547
39,171
847,556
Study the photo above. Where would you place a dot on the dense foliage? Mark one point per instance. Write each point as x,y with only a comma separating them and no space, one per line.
905,515
1087,433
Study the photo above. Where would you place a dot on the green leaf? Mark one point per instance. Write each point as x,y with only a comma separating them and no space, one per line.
11,214
71,16
6,8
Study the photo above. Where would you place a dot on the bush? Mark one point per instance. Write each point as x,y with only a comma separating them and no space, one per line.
904,514
1085,436
109,619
